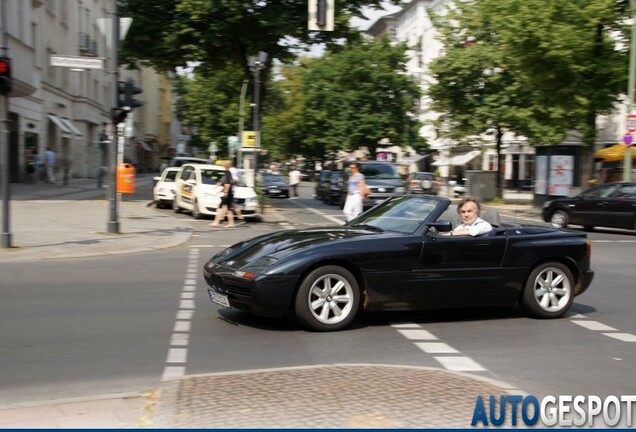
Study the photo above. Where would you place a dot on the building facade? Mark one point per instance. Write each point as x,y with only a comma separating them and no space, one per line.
66,109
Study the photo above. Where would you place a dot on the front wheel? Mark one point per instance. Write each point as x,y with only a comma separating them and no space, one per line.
196,212
549,291
328,299
559,219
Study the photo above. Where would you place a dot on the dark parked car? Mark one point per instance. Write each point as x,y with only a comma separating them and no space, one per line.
322,183
275,185
393,258
335,188
422,183
611,205
383,181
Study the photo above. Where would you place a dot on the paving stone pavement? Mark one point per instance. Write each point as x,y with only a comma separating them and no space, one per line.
331,396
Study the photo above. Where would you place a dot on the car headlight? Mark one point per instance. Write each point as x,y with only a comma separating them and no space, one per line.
251,201
400,190
251,270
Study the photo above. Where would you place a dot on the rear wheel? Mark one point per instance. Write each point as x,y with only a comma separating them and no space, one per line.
559,219
328,299
549,291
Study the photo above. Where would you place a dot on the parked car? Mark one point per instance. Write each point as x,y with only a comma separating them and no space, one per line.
422,183
322,183
275,185
164,189
393,257
610,205
334,190
198,190
383,181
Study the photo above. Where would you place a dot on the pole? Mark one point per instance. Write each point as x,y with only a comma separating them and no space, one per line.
256,125
627,162
113,222
241,122
6,188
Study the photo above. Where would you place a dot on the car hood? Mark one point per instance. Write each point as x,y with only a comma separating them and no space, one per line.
239,191
277,184
284,243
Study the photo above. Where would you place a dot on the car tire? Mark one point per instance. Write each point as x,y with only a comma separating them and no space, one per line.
196,213
175,206
549,291
559,219
328,299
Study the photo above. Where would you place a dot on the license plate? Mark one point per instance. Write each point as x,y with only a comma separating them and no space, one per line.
274,191
219,299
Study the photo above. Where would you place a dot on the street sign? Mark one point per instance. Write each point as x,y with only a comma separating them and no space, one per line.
233,142
250,140
628,139
631,123
78,62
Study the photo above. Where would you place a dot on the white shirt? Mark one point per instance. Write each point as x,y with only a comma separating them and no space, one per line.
294,177
478,227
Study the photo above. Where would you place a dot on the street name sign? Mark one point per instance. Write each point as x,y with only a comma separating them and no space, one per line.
631,123
78,62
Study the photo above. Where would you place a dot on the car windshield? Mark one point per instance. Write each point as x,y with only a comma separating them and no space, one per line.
274,179
211,176
171,176
400,214
379,171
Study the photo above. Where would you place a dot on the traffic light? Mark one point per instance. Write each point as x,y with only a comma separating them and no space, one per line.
5,75
130,90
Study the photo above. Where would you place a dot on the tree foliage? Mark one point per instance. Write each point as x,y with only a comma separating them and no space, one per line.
558,63
169,33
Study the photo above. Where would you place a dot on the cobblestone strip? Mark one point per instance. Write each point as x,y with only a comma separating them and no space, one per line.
180,339
333,396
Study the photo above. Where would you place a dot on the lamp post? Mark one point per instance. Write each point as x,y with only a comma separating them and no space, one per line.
4,142
627,162
257,63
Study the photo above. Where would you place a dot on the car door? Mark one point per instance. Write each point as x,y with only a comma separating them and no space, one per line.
461,271
184,188
621,207
590,208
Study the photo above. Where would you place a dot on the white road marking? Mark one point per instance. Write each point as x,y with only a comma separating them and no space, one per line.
180,339
185,314
187,295
594,325
459,364
186,304
436,348
171,372
417,334
624,337
177,355
181,326
406,325
319,213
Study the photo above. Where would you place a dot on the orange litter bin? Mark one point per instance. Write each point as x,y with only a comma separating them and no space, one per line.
125,178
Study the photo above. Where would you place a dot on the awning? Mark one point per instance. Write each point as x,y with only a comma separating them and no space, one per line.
144,145
458,160
69,124
615,153
66,132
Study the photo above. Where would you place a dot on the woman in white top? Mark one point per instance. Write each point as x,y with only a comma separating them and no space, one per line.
356,189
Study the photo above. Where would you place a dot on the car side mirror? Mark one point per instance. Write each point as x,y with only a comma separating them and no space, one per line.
442,225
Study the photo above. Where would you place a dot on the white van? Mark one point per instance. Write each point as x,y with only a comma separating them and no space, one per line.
198,190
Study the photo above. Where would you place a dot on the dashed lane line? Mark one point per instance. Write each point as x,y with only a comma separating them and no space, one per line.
604,329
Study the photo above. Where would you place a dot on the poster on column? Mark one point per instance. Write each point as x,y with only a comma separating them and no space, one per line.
541,184
561,173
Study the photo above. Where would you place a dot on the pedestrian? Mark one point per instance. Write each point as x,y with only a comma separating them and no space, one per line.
236,180
49,163
294,179
472,225
38,172
227,197
356,191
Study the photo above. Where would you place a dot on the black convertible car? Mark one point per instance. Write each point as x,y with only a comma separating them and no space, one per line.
393,258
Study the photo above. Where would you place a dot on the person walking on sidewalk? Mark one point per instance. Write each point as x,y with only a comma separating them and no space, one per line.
49,163
236,180
227,197
294,180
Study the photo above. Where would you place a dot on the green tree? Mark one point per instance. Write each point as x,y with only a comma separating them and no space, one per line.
533,67
359,95
169,33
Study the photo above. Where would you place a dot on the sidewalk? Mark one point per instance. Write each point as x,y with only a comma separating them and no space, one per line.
320,396
53,221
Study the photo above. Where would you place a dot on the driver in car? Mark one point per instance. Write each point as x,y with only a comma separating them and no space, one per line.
472,225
